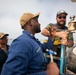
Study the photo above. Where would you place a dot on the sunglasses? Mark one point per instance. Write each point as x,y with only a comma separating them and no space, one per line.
60,17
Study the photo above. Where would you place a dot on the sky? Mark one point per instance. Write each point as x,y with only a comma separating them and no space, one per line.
11,11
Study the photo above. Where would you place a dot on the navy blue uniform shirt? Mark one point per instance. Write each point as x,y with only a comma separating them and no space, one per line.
25,56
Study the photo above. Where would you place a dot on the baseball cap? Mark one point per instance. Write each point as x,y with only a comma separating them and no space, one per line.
61,12
26,17
3,34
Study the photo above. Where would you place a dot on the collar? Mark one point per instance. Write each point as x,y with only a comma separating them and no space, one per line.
29,34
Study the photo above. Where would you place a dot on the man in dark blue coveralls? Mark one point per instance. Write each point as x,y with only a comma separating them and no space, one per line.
25,55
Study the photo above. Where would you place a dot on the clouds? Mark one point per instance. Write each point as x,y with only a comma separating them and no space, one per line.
11,10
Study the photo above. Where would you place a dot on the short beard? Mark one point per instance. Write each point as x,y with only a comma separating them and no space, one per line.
37,30
61,25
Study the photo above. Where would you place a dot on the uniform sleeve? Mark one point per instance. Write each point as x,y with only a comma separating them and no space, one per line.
17,61
47,45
